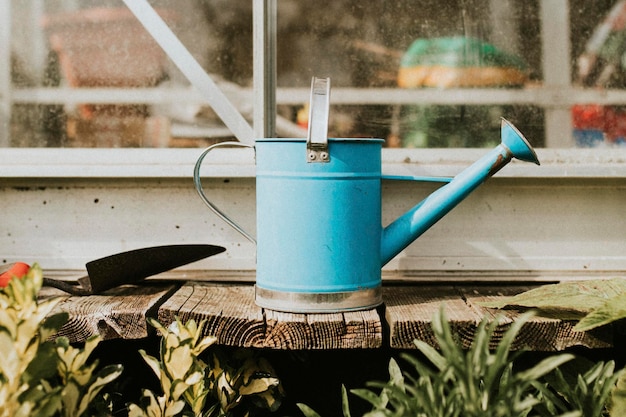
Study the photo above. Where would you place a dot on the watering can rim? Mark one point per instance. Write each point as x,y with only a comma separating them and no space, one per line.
372,140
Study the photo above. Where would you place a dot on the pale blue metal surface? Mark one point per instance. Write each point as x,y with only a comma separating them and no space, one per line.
318,224
420,218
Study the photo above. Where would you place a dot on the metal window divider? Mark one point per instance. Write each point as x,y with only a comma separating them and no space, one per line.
190,67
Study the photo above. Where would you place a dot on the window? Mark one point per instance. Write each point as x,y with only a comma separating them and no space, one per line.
60,189
418,74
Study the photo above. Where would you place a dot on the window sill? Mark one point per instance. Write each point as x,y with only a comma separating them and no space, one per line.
239,163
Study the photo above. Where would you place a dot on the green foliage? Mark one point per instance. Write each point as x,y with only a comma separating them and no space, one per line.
37,376
484,382
566,389
188,383
179,370
244,377
81,383
473,383
593,303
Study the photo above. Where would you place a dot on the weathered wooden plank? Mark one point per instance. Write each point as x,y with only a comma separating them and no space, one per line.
410,310
228,310
539,333
119,313
232,316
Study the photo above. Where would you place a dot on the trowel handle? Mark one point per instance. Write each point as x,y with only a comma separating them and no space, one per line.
213,207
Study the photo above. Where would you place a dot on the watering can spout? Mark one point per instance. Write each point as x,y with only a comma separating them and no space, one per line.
411,225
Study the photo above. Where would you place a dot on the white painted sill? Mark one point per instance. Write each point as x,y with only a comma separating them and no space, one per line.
25,163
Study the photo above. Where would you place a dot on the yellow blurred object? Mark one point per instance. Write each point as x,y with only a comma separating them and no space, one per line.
448,77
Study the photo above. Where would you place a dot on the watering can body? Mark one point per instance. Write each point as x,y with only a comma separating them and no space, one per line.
318,226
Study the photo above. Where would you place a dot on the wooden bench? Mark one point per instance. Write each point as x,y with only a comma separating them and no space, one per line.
232,316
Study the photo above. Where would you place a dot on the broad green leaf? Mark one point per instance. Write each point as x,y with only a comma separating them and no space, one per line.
565,300
179,361
612,310
43,365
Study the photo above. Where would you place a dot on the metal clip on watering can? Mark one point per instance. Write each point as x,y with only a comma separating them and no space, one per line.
320,243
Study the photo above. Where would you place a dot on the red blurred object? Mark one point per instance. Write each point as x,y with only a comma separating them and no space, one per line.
14,270
608,119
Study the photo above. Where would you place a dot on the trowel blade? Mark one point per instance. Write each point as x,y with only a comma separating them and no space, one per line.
135,265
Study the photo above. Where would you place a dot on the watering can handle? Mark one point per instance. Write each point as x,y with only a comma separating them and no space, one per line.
317,137
213,207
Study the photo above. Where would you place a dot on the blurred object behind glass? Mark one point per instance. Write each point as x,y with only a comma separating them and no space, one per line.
377,54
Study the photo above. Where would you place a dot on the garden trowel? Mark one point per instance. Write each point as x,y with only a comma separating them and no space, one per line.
133,266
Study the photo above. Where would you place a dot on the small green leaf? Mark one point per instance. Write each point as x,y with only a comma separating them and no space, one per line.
544,367
152,362
370,397
345,406
52,324
258,385
307,411
179,361
432,354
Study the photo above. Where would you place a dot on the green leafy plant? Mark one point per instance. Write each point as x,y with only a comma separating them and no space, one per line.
592,304
476,382
190,386
484,382
243,377
39,377
589,393
180,372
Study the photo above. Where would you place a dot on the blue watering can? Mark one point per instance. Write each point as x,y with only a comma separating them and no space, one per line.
320,243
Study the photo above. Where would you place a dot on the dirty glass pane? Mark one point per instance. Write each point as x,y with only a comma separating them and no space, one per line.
374,53
408,45
63,47
483,45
